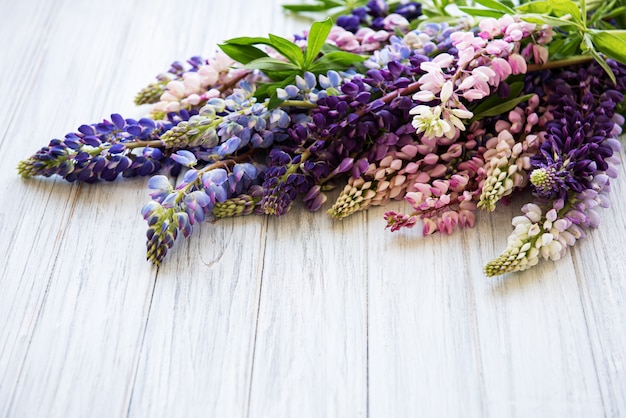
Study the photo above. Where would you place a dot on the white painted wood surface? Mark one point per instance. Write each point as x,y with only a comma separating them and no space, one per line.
262,317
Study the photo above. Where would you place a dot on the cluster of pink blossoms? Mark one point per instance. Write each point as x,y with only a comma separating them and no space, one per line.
365,40
196,87
484,61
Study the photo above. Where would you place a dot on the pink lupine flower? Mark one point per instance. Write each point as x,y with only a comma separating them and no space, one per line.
517,63
396,220
432,80
498,47
490,28
444,60
394,20
343,39
502,68
463,40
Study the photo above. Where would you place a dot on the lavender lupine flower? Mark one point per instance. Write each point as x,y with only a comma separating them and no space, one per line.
175,210
321,149
571,173
285,178
575,148
104,151
225,126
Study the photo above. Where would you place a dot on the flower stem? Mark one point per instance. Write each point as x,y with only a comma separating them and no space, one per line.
580,59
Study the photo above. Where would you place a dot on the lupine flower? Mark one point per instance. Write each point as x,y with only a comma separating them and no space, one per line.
409,125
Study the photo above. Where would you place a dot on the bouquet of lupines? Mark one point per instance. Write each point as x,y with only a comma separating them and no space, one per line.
453,108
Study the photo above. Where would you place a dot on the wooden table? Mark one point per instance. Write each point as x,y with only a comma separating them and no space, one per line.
298,316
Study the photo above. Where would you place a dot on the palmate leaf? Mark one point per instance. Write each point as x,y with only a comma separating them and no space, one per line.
550,20
565,7
332,8
288,49
316,40
537,7
248,40
242,53
270,64
496,5
336,60
612,43
319,6
477,11
305,7
503,107
565,47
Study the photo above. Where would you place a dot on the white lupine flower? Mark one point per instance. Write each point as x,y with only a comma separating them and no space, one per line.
428,120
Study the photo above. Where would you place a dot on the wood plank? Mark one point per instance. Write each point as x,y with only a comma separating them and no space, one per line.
533,343
601,276
199,344
263,317
78,295
514,346
196,357
423,356
310,357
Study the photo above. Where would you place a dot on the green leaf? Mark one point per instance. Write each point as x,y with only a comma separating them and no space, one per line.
270,64
317,37
615,12
503,107
332,3
540,7
268,89
496,5
565,47
603,64
242,53
305,7
612,43
565,7
274,101
330,48
320,6
552,21
280,75
247,40
477,11
288,49
337,60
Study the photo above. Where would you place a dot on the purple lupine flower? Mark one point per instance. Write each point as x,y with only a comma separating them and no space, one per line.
175,210
103,151
576,146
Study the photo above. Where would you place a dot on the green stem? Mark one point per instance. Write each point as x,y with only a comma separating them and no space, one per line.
128,145
580,59
298,103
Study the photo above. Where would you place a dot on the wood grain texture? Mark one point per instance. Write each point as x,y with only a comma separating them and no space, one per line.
264,317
